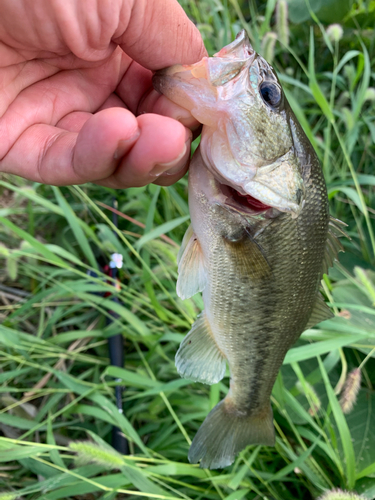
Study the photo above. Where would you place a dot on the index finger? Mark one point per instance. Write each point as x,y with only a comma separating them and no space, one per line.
159,34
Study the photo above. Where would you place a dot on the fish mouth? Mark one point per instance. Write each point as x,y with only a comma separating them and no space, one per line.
195,87
217,70
244,203
249,202
278,187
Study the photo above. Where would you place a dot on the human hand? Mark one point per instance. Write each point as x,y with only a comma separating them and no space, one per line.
76,95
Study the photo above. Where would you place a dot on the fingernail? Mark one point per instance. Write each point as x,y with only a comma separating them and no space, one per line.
188,121
174,166
171,167
123,145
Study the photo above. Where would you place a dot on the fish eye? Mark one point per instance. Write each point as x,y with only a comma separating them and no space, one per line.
271,94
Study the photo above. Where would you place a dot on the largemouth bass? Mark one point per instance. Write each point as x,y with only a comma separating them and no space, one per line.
259,242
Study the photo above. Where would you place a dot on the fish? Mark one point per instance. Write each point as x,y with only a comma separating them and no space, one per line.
261,238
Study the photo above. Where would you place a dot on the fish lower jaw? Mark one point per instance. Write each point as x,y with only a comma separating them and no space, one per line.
276,200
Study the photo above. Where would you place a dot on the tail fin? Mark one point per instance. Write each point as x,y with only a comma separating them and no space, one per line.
225,433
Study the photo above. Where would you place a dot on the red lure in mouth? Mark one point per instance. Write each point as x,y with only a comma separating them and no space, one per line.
248,201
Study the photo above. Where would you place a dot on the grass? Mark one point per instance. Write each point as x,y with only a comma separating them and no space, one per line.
57,403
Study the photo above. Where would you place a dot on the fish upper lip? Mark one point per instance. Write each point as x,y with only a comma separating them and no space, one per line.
218,69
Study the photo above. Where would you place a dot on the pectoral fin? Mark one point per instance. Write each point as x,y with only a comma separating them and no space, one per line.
249,258
320,312
185,240
191,273
199,357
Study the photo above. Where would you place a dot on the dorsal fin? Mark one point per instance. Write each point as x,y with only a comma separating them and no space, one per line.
333,244
191,273
320,312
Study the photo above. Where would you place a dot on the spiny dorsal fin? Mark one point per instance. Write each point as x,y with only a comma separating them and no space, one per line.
199,357
191,274
320,312
333,244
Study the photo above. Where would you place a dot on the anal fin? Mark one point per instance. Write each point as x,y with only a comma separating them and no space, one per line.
191,273
199,357
320,312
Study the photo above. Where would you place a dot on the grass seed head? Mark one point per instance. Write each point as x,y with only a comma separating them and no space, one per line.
282,25
4,251
312,397
88,452
335,32
268,46
338,494
370,94
350,390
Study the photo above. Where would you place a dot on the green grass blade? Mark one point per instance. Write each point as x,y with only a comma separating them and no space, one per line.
346,439
76,228
313,83
162,229
39,247
302,353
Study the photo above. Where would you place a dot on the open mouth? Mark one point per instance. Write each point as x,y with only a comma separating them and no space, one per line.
247,202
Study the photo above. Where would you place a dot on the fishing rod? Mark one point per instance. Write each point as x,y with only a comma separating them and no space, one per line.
116,344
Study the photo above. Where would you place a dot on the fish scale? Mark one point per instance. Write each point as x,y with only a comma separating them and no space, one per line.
257,246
